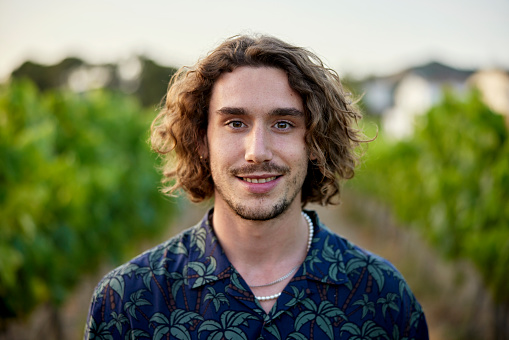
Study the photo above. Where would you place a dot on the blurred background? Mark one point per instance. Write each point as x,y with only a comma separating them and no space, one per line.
81,81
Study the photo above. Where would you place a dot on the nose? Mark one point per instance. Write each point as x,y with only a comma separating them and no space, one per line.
258,145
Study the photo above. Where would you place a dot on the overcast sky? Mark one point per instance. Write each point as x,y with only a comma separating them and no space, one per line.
357,37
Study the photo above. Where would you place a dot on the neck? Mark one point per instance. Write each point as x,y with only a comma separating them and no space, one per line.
260,250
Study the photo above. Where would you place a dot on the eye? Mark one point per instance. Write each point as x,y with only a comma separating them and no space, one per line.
282,125
235,124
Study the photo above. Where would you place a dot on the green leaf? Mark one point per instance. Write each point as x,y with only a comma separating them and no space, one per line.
351,328
198,240
272,329
208,326
160,332
180,332
187,317
159,318
303,318
134,334
118,284
198,267
309,304
297,336
212,265
235,333
231,318
325,325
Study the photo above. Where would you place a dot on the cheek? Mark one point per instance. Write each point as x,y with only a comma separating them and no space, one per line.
295,149
222,154
226,144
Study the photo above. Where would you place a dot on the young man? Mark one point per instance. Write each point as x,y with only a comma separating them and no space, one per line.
263,128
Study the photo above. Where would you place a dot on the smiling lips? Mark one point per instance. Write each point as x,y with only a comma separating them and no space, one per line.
259,180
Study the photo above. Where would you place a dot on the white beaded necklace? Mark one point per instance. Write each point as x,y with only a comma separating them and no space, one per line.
275,296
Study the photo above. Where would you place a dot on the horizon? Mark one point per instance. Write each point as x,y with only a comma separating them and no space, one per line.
366,77
356,39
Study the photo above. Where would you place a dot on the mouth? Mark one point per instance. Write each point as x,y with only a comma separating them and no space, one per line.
258,180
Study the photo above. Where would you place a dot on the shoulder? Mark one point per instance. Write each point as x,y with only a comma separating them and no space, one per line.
141,282
356,261
159,260
371,281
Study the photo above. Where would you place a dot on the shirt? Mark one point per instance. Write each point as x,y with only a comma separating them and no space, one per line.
186,288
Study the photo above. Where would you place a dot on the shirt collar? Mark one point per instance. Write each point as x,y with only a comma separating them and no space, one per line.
324,261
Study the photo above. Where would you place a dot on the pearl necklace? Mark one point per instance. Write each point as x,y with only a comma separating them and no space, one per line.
275,296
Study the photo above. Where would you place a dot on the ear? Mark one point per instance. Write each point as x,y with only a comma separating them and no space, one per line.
312,156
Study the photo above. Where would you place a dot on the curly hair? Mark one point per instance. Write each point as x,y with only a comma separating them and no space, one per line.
177,133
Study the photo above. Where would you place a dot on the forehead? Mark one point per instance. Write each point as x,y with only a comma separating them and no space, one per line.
256,88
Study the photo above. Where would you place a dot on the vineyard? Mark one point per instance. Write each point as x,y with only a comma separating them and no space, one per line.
450,181
77,187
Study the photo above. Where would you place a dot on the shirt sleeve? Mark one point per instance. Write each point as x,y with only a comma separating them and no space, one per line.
106,319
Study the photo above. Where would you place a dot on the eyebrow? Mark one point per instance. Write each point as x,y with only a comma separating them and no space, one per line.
283,111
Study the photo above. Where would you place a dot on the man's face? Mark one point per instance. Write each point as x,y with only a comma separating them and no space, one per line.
255,136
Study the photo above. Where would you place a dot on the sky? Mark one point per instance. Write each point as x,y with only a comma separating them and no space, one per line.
356,38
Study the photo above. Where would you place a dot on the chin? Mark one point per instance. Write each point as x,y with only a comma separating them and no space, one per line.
260,214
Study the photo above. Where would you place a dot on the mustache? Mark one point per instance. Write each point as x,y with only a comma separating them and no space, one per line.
264,167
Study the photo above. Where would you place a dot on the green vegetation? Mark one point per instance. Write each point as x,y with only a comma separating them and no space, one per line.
451,180
77,186
149,86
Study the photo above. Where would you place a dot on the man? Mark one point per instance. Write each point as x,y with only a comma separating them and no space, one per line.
263,128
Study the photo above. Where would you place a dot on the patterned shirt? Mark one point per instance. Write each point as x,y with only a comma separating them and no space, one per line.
186,288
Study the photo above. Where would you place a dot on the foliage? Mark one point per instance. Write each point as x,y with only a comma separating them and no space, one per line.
149,87
77,185
451,180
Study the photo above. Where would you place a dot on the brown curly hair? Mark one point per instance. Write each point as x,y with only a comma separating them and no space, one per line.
178,132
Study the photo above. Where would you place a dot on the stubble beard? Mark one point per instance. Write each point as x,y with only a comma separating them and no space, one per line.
259,214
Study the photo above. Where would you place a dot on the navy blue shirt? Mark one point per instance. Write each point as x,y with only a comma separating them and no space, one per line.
186,288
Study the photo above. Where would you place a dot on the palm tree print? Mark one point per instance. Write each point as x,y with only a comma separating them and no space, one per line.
320,315
178,280
311,260
373,265
136,300
135,334
335,259
228,328
115,280
366,263
198,238
98,332
368,331
117,320
157,267
216,298
176,326
297,297
367,305
187,288
204,273
389,301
